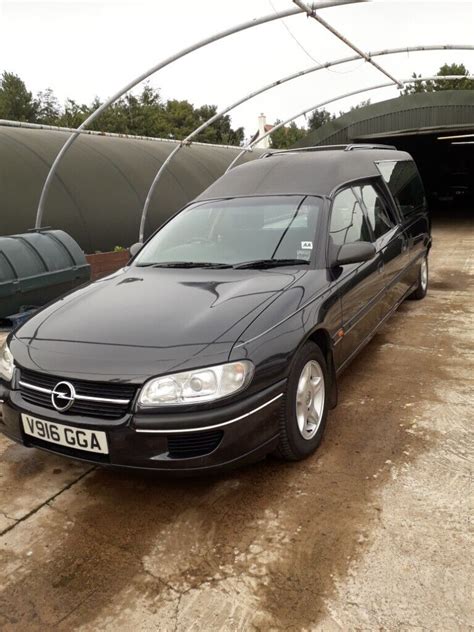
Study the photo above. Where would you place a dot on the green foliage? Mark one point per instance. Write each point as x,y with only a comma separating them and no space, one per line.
362,104
437,85
16,102
72,115
286,137
48,108
358,106
144,114
318,118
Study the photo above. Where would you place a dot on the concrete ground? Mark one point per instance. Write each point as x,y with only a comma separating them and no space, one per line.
372,533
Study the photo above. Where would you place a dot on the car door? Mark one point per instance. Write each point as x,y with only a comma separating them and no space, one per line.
360,285
405,185
389,240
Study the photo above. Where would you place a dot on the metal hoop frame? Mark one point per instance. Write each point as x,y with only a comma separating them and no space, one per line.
186,51
339,98
301,7
187,141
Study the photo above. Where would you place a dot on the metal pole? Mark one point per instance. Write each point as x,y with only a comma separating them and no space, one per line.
208,40
338,98
269,86
146,206
311,13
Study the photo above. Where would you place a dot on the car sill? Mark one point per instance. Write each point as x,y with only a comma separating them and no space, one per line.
369,337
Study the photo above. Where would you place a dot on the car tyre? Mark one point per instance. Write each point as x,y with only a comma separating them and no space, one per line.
422,287
305,407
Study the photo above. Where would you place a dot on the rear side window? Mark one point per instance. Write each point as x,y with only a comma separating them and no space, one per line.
348,222
379,217
405,184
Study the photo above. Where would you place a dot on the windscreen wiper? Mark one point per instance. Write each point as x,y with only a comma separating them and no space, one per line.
186,264
269,263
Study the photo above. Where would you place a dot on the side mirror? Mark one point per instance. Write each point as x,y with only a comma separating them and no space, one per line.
357,252
135,249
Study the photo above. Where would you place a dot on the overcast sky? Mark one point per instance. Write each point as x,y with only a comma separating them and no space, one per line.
84,48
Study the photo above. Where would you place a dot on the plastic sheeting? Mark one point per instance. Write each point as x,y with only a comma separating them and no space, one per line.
101,185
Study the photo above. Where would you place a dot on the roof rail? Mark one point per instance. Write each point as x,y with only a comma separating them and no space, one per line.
302,149
345,147
368,146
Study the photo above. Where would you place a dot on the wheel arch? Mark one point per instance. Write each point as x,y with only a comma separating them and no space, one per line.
322,338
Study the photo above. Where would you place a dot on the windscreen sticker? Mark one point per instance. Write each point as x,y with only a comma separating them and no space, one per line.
307,245
303,254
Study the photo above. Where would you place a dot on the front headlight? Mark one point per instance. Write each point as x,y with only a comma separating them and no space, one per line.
6,363
200,385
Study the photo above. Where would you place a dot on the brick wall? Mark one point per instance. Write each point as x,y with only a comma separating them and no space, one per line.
104,263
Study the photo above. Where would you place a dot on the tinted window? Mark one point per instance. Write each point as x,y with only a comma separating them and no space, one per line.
237,230
405,184
379,217
348,223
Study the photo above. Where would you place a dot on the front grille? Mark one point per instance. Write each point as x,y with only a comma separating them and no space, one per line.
103,390
193,444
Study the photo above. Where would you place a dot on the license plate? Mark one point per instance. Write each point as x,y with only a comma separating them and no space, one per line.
76,438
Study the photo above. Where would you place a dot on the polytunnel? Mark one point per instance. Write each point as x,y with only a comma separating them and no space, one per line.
98,194
436,128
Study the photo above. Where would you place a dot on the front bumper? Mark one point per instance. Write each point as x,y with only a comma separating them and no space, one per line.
230,435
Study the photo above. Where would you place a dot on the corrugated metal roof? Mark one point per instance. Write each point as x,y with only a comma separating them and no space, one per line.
100,189
421,113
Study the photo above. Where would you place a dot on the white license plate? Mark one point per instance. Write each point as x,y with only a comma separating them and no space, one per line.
76,438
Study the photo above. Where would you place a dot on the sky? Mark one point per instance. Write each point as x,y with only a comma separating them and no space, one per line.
84,48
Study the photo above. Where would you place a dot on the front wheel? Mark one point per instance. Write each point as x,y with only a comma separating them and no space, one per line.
305,408
422,287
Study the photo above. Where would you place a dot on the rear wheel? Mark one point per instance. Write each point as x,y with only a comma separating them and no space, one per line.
422,287
305,409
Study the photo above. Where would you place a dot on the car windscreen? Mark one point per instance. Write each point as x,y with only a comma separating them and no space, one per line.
237,230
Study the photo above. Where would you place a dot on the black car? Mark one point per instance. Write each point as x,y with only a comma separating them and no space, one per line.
222,340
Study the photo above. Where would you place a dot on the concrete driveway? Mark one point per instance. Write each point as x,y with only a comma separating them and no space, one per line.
372,533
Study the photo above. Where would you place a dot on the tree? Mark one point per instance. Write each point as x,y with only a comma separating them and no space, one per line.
140,115
286,137
179,119
362,104
16,102
221,131
147,115
73,114
318,118
353,108
437,85
143,114
49,109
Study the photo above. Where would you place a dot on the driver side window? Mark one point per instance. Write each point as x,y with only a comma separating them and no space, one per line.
348,222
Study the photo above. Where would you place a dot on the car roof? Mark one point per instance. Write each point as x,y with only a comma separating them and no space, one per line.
304,172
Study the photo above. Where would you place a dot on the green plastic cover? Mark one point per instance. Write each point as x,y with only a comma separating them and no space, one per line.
37,267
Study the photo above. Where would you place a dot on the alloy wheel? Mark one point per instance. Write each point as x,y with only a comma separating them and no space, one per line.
424,275
310,395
